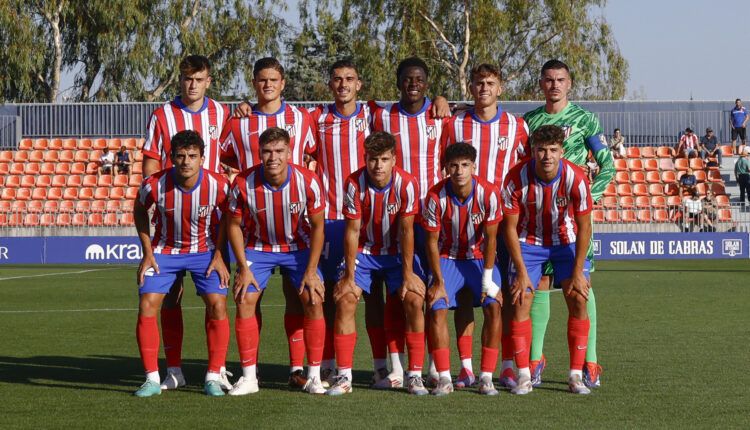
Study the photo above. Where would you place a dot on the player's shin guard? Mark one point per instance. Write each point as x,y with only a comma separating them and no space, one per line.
314,332
377,343
464,345
442,358
147,334
217,338
246,331
506,342
294,325
591,309
415,344
540,318
521,333
172,332
394,323
344,345
329,353
578,333
489,360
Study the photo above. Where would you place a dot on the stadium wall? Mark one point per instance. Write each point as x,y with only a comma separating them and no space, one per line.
607,246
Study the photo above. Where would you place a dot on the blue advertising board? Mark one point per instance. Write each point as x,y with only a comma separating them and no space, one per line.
646,246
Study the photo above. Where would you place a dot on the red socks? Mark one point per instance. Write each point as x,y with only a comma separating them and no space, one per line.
464,344
521,336
506,342
489,359
294,324
314,332
442,359
147,334
578,339
394,324
217,338
344,345
246,330
415,344
171,328
329,353
377,343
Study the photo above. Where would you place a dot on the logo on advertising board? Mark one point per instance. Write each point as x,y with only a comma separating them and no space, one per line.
731,247
597,247
117,251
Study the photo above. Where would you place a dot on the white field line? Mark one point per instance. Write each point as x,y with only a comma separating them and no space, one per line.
52,274
45,311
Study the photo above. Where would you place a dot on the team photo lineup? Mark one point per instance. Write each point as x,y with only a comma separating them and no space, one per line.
413,208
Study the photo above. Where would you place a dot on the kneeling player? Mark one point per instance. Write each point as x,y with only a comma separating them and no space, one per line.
380,203
461,215
187,199
547,202
282,208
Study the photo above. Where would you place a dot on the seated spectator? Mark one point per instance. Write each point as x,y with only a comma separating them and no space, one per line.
688,145
106,162
693,212
710,211
592,167
709,146
688,182
123,161
617,144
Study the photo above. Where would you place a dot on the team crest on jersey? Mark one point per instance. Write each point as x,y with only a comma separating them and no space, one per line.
502,142
295,207
567,129
213,131
204,211
290,129
392,208
432,132
477,218
561,201
360,124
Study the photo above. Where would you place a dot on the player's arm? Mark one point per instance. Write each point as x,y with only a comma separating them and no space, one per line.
440,107
143,227
217,262
578,282
437,289
150,166
489,288
603,157
521,283
411,281
346,284
311,280
244,276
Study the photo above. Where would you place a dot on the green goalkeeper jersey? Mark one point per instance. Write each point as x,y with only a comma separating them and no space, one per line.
582,133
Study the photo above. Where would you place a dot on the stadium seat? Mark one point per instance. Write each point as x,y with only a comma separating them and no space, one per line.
83,206
19,205
13,181
651,164
638,177
113,206
21,156
669,177
697,164
85,144
6,156
666,164
127,206
628,215
622,178
94,155
55,193
633,152
90,180
63,220
35,156
92,168
681,164
609,202
626,202
70,193
621,165
51,207
725,215
701,189
640,190
644,215
598,216
726,150
78,168
62,168
2,181
5,206
25,144
31,220
99,144
722,200
104,181
43,181
612,215
73,181
138,156
71,144
49,168
55,144
648,152
671,190
15,220
131,193
624,190
674,201
661,215
67,206
718,189
41,144
52,156
714,165
67,156
700,175
664,152
635,164
39,193
95,220
117,193
135,180
110,219
47,220
4,168
127,219
98,206
86,193
130,143
114,144
653,177
82,156
21,168
715,176
120,181
642,202
101,193
23,194
137,168
79,220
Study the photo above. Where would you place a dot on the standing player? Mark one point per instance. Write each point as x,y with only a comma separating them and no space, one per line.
583,133
547,205
461,215
281,205
501,140
187,200
191,110
241,149
380,204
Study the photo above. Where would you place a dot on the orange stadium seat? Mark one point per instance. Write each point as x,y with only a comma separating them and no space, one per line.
722,200
114,144
70,194
21,156
36,156
120,181
127,206
6,156
609,202
39,194
700,175
67,206
612,215
94,155
67,156
598,215
47,220
681,164
715,176
656,189
638,177
697,163
664,152
658,202
651,164
62,168
725,215
661,215
138,156
640,190
23,194
101,193
86,193
92,167
127,219
611,190
717,189
2,181
104,181
19,206
628,215
79,220
701,189
633,152
621,165
52,156
85,144
673,201
51,206
117,193
666,164
78,169
635,164
5,206
41,144
73,181
113,205
622,178
137,168
99,143
135,180
648,152
55,193
89,180
35,206
63,220
624,190
642,202
98,206
83,206
110,219
4,168
95,220
43,181
15,220
21,168
55,144
49,168
25,144
653,177
31,220
626,202
669,177
644,215
82,156
130,143
726,150
70,144
131,193
13,181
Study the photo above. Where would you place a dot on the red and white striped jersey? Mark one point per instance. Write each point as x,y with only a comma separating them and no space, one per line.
184,218
380,210
339,151
239,141
417,140
276,220
500,142
173,117
546,211
461,225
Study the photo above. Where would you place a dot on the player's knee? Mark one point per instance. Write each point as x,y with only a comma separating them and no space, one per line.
217,310
491,311
413,303
346,304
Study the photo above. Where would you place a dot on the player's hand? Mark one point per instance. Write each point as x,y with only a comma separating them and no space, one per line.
243,110
437,292
217,264
518,288
314,285
490,288
242,281
346,286
147,262
411,283
440,107
578,285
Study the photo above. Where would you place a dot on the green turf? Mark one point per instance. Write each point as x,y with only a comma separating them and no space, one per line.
672,340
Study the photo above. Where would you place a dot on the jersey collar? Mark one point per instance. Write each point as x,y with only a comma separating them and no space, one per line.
181,105
493,119
184,191
449,191
271,187
339,115
280,111
425,104
539,180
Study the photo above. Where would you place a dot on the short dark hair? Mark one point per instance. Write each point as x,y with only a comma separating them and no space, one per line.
273,134
554,65
411,62
345,63
738,100
380,142
460,150
484,70
547,135
187,139
616,130
193,64
268,63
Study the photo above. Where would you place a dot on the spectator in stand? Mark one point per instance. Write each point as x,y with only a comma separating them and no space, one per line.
710,211
738,122
688,182
693,212
106,162
617,144
742,174
592,167
709,146
123,160
688,146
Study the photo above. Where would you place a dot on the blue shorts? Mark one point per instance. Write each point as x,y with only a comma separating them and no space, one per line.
333,249
385,267
502,258
464,273
420,249
562,258
173,266
292,264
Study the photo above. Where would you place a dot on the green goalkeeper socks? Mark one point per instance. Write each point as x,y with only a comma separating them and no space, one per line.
539,320
591,309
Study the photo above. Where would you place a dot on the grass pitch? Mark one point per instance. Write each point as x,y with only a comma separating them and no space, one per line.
673,341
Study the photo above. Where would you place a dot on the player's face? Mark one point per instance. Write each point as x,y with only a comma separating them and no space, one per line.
738,104
344,84
187,162
555,84
485,90
275,157
460,171
268,85
380,167
548,157
413,84
193,86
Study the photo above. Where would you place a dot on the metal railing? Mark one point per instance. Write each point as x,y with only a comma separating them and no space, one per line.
673,219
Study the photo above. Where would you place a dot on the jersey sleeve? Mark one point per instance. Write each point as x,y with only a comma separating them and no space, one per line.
314,115
580,195
597,143
152,147
146,192
222,197
492,206
309,142
511,196
524,143
409,198
352,206
227,144
314,190
237,197
431,213
446,136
